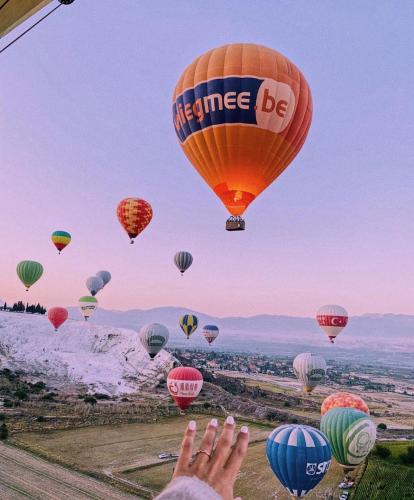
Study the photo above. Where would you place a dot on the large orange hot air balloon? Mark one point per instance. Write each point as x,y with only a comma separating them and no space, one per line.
241,113
344,400
134,215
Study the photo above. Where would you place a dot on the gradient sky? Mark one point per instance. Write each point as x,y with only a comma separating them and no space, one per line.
86,121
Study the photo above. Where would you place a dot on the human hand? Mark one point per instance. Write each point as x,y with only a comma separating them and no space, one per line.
217,466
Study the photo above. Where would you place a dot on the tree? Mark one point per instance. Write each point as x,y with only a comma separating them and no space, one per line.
382,426
381,451
4,432
90,399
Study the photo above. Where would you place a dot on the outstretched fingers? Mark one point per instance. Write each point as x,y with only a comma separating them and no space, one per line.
238,453
206,447
186,453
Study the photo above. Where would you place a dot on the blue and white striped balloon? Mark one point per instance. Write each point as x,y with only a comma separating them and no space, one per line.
299,456
183,261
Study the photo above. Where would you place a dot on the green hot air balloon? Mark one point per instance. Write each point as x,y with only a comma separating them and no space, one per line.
153,337
29,272
351,434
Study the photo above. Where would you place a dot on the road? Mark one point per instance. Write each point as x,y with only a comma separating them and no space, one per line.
24,476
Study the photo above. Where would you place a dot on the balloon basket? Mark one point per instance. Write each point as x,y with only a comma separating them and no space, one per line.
235,224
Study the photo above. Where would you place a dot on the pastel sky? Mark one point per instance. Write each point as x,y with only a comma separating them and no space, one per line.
85,103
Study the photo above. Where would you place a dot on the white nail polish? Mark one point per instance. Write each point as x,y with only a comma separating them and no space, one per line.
230,420
244,429
213,422
192,425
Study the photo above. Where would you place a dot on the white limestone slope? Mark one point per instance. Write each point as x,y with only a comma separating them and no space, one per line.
105,359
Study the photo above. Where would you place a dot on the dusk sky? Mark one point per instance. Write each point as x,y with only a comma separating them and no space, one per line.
86,121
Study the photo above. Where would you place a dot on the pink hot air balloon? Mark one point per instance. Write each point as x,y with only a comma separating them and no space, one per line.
57,316
184,384
332,319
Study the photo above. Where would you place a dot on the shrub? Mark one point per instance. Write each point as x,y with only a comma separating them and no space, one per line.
21,394
99,395
8,403
91,400
407,457
381,451
382,426
2,416
4,432
50,396
40,418
38,386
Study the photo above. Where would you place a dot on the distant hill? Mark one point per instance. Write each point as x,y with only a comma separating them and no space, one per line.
102,359
387,338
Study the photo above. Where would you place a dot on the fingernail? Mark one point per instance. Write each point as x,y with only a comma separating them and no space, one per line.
213,422
244,429
230,420
192,425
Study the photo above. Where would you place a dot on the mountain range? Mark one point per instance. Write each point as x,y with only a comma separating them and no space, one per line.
388,338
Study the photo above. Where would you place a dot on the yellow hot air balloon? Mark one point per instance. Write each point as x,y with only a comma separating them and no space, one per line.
241,113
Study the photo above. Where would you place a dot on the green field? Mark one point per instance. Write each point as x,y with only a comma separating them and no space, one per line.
387,478
385,481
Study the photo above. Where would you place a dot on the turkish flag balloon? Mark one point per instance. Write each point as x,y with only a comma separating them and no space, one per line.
241,113
332,319
184,384
57,316
134,215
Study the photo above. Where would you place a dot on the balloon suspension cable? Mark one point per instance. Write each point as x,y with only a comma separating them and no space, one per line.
31,27
132,241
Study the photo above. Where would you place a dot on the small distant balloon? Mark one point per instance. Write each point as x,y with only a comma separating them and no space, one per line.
299,456
184,385
188,324
332,319
210,333
105,277
153,337
61,239
29,271
94,284
183,261
134,216
310,369
351,433
344,400
57,316
87,305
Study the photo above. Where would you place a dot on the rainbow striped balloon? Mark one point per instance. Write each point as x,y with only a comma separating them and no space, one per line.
61,239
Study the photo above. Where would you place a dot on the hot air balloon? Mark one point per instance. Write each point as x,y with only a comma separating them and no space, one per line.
134,215
344,400
57,316
29,272
351,434
94,285
183,261
105,277
87,305
210,333
310,369
153,337
184,384
299,456
241,113
332,319
61,239
188,324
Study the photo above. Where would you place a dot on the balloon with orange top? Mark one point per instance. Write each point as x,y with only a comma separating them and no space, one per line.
344,400
241,113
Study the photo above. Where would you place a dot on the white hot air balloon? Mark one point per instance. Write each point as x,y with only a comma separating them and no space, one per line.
332,319
153,337
310,369
94,285
210,333
105,277
87,306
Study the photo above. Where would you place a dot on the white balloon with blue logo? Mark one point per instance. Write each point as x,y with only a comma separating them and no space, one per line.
299,456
